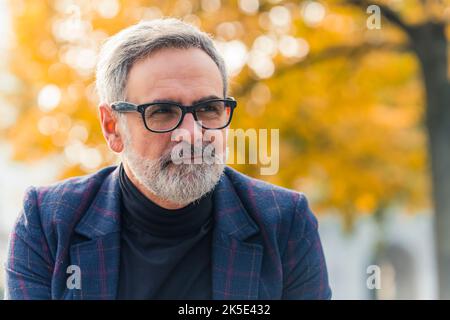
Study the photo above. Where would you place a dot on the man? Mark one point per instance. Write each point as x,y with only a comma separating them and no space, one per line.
171,221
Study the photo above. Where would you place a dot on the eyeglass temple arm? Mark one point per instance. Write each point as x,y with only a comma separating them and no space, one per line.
124,106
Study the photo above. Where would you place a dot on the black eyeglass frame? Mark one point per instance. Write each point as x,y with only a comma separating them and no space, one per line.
124,106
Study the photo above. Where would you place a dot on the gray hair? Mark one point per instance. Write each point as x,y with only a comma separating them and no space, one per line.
139,41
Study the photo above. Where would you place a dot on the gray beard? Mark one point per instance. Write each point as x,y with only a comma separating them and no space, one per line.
178,183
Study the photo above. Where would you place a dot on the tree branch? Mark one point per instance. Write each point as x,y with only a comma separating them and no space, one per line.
387,12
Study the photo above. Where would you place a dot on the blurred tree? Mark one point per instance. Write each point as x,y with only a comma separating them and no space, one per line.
427,38
348,100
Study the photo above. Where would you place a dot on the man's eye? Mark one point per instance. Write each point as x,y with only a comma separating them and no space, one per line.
210,108
161,110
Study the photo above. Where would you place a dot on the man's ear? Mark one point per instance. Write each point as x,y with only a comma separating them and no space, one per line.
110,128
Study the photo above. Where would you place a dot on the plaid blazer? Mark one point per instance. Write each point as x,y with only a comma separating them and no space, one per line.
265,241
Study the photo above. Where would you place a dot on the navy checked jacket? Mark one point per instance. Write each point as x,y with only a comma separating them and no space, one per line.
265,241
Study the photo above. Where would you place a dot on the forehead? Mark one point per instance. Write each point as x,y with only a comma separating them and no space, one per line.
182,75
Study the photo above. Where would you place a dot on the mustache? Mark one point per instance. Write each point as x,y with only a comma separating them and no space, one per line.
184,150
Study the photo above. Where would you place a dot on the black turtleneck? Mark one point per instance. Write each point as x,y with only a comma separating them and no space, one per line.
165,254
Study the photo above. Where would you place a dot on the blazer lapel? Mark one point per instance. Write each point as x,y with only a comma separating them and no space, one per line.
98,256
236,263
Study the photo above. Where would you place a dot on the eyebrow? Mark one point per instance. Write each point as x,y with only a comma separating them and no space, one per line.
210,97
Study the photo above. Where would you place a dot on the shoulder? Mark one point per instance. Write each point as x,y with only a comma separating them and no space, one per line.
71,190
242,181
60,201
270,204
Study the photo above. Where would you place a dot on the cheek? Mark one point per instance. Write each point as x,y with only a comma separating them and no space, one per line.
147,144
151,145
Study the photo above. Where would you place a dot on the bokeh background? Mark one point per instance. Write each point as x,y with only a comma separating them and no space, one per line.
363,114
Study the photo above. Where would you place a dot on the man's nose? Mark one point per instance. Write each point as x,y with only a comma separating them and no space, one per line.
192,129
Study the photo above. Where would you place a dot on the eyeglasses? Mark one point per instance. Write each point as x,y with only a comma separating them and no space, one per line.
162,117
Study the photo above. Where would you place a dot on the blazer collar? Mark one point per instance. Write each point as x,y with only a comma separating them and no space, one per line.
232,218
233,277
103,216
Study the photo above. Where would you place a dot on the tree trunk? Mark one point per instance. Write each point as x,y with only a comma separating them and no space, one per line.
430,43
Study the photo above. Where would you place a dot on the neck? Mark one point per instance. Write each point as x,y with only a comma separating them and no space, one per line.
151,196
